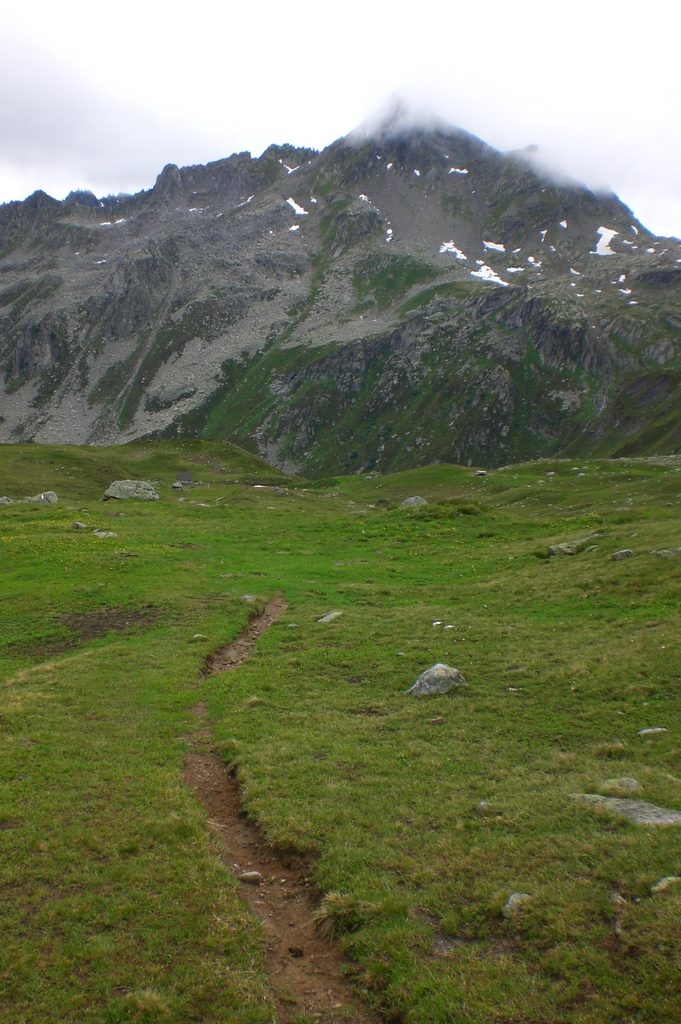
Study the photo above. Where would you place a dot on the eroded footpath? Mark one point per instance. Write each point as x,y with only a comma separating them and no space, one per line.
306,970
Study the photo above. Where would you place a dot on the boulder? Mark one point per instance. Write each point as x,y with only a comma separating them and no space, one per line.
177,486
413,502
638,811
617,556
5,500
46,498
572,547
437,679
79,526
661,553
138,489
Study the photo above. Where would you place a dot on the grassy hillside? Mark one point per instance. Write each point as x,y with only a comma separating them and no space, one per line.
423,814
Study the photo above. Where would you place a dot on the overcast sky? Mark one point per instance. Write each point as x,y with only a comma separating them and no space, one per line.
101,96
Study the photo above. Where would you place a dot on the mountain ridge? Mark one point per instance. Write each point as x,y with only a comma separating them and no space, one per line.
408,297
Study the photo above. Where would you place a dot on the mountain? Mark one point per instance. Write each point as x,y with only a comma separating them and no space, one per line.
401,298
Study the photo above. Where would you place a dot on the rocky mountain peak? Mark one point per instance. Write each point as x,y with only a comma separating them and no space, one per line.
408,294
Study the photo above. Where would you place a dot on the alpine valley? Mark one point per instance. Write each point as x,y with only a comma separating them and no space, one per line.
404,297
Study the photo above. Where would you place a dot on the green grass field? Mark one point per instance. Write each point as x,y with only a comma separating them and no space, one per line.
115,906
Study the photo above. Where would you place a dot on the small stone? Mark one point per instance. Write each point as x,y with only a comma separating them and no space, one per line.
413,502
248,598
296,951
484,808
329,617
615,787
651,732
514,903
665,882
481,472
103,534
199,636
438,678
79,526
5,500
618,556
252,877
667,552
137,489
293,625
177,486
437,721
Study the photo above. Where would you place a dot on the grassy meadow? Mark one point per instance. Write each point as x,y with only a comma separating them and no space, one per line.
115,906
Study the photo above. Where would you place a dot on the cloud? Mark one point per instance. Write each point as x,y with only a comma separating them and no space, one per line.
57,132
103,97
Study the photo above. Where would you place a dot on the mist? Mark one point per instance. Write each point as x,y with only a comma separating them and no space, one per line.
100,98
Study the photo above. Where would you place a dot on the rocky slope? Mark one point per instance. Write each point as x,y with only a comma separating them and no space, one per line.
395,300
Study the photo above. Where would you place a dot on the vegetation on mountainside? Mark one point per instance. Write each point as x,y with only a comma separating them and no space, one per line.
116,907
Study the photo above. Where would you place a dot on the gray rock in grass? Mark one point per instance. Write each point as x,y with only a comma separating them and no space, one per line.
664,883
514,903
652,731
329,617
103,534
618,556
638,811
79,526
572,547
438,678
5,500
667,552
124,489
46,498
413,502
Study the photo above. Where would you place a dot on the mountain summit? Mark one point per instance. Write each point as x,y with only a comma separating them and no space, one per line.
403,297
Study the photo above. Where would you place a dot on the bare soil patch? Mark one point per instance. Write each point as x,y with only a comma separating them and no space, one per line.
93,625
306,969
75,629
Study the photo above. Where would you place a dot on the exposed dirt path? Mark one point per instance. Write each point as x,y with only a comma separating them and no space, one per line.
304,968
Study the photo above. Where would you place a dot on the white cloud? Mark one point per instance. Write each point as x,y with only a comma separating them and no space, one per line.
126,88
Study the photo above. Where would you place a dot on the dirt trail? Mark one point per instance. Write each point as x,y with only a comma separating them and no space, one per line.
304,968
